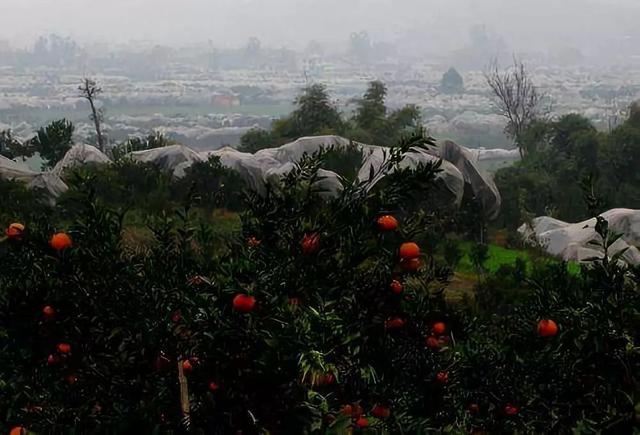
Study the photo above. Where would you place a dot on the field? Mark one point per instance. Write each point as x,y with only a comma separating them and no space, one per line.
42,116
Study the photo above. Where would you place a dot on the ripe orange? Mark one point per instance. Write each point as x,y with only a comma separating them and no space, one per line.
387,223
326,379
439,328
547,328
71,379
53,360
63,348
18,430
432,342
442,377
15,231
379,411
213,386
244,303
310,243
49,312
347,410
60,242
396,287
322,380
362,422
187,367
253,242
511,409
409,251
395,323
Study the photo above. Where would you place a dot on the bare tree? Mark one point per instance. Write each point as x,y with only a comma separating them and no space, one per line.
516,98
90,90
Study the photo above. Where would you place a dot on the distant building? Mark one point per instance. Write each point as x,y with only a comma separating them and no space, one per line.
225,100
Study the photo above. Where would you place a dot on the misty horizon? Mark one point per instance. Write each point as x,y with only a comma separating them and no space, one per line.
433,26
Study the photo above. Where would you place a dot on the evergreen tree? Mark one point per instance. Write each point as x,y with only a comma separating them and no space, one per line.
371,112
374,124
315,113
255,140
452,82
53,141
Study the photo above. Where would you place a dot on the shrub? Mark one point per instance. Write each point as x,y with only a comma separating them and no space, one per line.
344,161
212,185
18,203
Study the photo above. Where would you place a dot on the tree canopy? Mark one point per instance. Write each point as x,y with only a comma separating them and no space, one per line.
316,114
564,154
451,82
51,141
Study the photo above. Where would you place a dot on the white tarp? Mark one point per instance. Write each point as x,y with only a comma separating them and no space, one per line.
47,181
482,185
457,167
80,155
267,165
168,158
571,241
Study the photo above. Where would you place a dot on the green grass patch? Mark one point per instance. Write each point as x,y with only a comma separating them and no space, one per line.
499,256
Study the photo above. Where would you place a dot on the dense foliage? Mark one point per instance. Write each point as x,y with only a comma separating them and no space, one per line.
51,141
147,190
316,114
563,159
318,316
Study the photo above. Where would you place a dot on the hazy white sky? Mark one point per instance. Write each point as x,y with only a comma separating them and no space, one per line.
293,23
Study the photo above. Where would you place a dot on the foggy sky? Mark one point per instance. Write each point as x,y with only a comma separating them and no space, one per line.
525,24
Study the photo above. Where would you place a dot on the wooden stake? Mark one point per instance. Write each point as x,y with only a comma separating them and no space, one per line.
184,397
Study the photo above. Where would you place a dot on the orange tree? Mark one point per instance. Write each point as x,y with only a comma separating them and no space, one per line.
314,319
565,358
325,315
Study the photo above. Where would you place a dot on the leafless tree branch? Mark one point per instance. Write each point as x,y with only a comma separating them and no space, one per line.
515,98
90,90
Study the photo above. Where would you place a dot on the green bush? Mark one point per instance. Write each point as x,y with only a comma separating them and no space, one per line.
561,157
18,203
345,161
212,185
